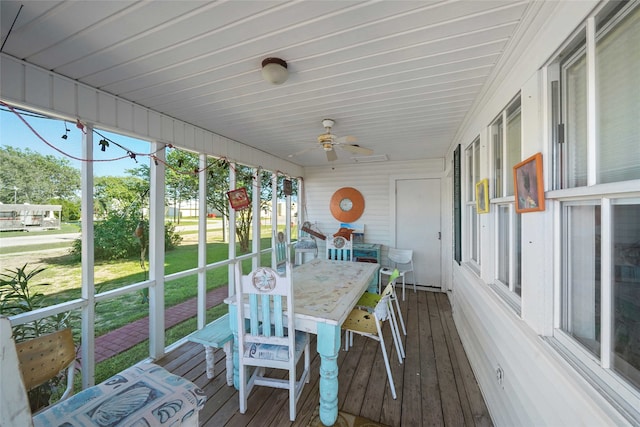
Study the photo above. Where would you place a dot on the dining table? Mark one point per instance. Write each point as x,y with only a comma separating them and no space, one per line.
325,292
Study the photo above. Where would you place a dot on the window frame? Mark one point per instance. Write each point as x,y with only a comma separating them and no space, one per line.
508,291
473,244
598,370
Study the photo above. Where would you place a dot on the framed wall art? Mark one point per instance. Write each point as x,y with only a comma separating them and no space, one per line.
528,184
482,196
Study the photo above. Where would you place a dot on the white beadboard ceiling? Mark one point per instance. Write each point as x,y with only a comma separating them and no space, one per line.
398,75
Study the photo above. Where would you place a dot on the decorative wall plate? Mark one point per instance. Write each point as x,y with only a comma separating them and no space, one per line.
347,204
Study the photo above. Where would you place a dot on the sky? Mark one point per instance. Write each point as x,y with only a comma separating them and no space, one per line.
15,133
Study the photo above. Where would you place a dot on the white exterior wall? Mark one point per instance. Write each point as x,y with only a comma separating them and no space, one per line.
373,181
539,386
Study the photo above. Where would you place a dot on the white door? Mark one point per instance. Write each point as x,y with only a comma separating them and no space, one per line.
417,215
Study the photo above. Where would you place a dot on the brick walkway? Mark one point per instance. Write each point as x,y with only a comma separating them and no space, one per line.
124,338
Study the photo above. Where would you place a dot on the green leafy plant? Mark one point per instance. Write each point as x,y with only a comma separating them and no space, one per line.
18,295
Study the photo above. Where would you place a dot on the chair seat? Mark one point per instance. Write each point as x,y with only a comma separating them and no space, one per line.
361,321
276,352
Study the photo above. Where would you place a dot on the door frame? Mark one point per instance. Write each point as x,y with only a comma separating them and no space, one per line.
444,225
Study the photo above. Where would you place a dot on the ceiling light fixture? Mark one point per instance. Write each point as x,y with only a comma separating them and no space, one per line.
274,70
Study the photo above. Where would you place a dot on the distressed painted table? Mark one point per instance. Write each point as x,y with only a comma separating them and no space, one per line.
325,293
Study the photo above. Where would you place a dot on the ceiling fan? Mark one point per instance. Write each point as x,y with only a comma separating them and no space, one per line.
328,141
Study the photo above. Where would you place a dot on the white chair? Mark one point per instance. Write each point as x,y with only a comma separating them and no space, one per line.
368,301
269,338
367,324
402,259
339,248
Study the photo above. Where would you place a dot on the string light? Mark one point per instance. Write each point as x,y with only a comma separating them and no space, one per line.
104,143
66,131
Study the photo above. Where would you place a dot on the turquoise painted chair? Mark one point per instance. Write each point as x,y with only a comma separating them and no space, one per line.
339,248
269,339
280,255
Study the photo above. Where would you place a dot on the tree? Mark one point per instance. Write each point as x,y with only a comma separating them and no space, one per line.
182,184
31,177
117,193
181,179
218,185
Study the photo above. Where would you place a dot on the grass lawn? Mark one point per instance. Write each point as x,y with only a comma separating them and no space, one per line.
60,281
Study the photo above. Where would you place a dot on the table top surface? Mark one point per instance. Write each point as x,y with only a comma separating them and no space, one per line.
326,291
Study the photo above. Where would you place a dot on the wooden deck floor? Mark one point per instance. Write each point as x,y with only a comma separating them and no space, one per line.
435,384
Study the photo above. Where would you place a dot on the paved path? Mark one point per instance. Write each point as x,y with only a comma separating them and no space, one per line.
124,338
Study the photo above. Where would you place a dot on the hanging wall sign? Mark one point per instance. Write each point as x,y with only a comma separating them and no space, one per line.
239,199
287,187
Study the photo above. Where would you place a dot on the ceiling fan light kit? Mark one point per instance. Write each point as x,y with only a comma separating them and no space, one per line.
275,70
329,141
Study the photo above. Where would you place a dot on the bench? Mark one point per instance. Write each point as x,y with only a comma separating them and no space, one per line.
216,334
144,394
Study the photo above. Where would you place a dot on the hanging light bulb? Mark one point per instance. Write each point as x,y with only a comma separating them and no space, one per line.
66,131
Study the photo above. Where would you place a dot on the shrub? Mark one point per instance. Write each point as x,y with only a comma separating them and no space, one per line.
124,236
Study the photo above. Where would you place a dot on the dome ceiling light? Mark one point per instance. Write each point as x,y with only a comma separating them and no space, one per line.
274,70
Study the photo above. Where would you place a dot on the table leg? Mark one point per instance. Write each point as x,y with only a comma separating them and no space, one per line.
328,348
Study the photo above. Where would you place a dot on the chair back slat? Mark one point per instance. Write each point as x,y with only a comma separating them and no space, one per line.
266,298
43,358
339,248
280,255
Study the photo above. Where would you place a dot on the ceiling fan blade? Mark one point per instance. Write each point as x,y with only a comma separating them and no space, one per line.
356,149
331,155
349,139
301,152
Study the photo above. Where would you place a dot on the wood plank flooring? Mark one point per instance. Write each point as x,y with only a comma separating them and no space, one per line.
435,384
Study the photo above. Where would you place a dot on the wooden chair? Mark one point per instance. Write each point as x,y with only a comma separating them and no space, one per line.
280,255
44,358
339,248
402,259
270,339
367,324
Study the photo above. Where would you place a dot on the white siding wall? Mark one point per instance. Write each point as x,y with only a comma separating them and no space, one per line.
373,181
539,387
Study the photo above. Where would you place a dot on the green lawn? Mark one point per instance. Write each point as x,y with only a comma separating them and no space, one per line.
62,276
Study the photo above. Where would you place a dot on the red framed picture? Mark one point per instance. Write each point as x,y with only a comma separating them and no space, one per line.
239,198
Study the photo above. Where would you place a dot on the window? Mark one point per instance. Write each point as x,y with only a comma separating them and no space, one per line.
601,255
610,154
473,175
597,143
506,142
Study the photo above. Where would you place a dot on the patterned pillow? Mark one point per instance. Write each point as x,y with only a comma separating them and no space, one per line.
273,351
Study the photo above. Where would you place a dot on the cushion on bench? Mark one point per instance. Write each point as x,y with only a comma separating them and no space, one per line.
142,395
